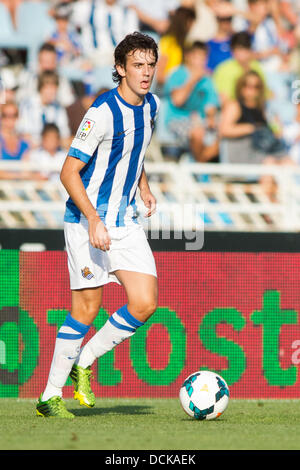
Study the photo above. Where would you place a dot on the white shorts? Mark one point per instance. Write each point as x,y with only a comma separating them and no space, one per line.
92,267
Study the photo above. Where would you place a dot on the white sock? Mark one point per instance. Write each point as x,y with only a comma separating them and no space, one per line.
120,326
67,348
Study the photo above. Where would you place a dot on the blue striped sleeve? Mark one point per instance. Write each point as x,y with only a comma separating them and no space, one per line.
84,157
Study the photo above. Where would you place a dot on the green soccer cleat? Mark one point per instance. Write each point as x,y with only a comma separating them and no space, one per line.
55,407
81,379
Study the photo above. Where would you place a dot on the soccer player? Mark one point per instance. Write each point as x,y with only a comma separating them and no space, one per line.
102,172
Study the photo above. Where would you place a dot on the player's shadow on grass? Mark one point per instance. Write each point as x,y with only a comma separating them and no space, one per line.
122,409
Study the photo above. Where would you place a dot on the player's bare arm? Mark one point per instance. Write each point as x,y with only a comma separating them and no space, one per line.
71,180
146,194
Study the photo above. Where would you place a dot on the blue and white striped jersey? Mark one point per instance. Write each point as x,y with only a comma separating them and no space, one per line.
112,140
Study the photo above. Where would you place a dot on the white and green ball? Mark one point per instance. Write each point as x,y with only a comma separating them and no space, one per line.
204,395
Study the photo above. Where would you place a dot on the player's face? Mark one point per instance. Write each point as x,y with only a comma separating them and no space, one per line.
138,73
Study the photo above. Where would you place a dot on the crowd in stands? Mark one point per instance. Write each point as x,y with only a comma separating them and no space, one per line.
227,76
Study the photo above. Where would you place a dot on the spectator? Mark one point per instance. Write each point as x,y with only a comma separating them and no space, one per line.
47,62
291,135
237,9
247,132
50,151
272,53
228,72
171,44
154,16
192,105
12,6
103,24
13,146
266,41
205,25
243,121
43,108
78,109
55,3
219,46
65,40
290,10
8,84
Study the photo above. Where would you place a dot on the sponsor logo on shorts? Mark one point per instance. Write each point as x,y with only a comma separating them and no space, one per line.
86,273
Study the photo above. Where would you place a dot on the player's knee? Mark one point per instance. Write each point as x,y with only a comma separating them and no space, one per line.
150,308
144,309
89,312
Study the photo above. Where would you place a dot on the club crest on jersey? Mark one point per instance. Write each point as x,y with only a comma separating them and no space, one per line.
86,273
85,129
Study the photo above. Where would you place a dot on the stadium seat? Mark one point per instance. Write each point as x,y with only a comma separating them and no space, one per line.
34,24
6,26
9,37
33,20
102,78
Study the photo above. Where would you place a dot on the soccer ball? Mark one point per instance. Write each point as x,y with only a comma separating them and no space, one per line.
204,395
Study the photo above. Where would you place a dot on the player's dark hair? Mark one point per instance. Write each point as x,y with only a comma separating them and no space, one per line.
130,44
241,39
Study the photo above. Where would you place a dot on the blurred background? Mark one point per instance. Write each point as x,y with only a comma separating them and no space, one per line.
223,162
227,138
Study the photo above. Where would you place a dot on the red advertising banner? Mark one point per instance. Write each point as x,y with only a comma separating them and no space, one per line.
234,313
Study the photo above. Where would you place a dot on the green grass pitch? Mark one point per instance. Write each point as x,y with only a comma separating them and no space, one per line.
152,424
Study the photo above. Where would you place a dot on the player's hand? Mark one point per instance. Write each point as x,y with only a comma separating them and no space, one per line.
98,233
149,201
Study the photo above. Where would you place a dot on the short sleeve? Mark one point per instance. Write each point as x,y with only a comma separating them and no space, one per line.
224,79
89,135
157,101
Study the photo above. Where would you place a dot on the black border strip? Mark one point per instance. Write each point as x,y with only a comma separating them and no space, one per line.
213,241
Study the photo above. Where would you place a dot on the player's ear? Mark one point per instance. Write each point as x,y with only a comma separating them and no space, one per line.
121,70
